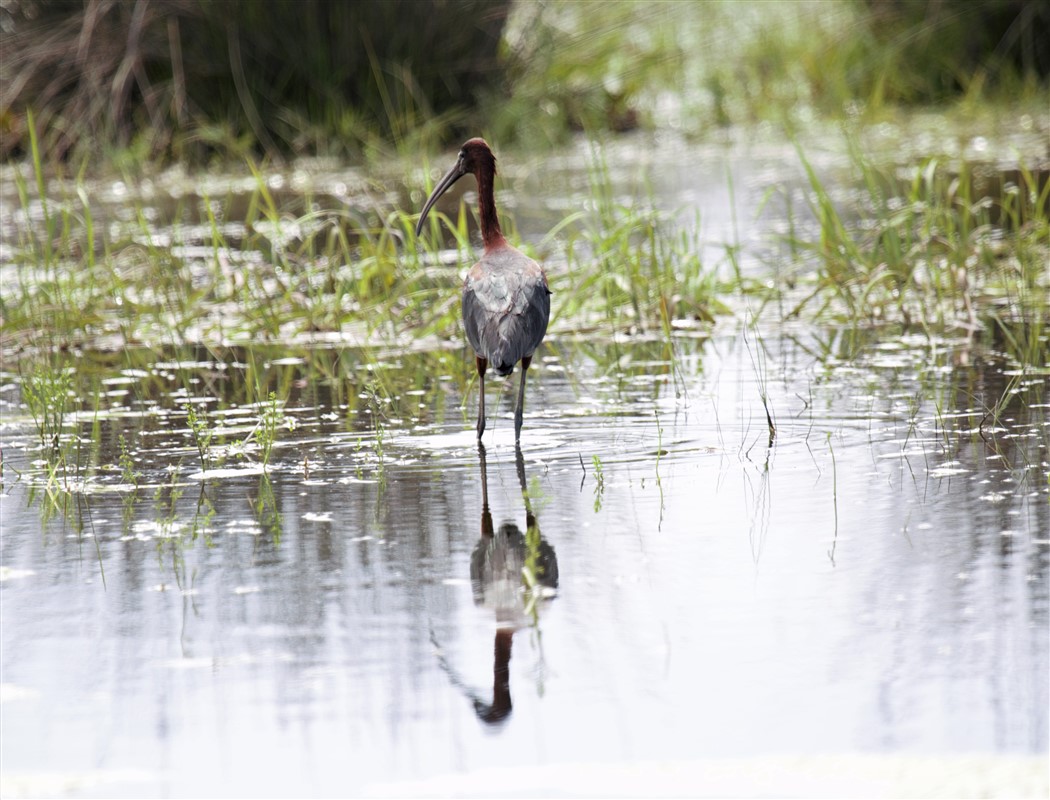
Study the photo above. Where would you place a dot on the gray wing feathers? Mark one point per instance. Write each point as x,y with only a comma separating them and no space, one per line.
505,313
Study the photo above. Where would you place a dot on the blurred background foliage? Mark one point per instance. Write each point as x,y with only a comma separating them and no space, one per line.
189,77
197,80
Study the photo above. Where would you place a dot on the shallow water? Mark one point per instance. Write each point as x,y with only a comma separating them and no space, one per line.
873,583
856,606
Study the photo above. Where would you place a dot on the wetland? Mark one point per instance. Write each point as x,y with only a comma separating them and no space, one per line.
779,521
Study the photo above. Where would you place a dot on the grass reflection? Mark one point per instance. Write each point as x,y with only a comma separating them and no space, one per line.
266,510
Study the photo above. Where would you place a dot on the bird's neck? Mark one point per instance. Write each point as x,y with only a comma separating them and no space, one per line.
491,234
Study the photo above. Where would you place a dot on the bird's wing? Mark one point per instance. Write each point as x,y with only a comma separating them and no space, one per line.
506,306
479,322
527,322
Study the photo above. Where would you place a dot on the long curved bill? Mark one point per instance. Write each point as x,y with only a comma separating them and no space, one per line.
450,178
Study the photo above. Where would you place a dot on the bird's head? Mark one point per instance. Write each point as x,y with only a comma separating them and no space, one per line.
475,158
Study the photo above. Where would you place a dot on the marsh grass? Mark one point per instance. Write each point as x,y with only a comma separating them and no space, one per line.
931,247
271,419
375,404
599,482
201,432
935,246
46,393
55,502
273,276
628,263
759,365
128,472
136,442
266,509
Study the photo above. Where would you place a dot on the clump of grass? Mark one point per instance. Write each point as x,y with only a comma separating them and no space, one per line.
373,396
260,438
75,280
203,518
46,393
56,244
128,473
628,262
271,419
761,370
201,432
274,275
266,509
167,496
55,502
933,248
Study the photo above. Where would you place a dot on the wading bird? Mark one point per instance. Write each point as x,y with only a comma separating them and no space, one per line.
506,301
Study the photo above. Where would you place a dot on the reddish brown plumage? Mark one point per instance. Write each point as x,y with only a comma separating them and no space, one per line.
506,300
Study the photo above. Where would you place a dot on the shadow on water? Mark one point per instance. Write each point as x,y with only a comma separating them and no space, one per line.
513,575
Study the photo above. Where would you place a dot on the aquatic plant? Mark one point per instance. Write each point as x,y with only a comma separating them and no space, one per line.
203,517
627,261
933,246
761,370
271,419
201,433
46,393
166,497
268,276
50,236
266,509
660,452
128,473
374,400
599,482
834,500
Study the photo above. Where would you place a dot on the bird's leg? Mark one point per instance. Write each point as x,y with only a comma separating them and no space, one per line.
482,365
519,412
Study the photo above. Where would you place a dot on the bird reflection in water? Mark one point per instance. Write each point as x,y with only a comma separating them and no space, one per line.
512,574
